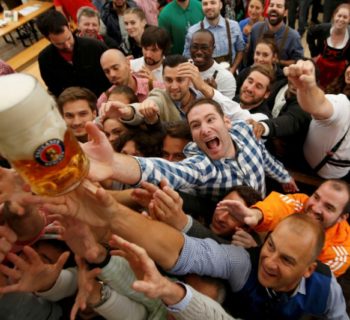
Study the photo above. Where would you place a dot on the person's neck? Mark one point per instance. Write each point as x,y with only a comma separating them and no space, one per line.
251,106
184,4
339,32
206,67
186,101
215,21
276,27
120,10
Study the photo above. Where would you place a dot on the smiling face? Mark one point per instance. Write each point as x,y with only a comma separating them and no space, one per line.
89,26
211,8
134,25
326,205
254,90
263,54
285,258
76,114
255,10
177,87
210,131
276,12
201,50
341,18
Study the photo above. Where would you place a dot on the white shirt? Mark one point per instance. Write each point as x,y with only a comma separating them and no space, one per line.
226,82
137,64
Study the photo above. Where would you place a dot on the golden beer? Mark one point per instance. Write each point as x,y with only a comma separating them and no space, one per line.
35,139
59,176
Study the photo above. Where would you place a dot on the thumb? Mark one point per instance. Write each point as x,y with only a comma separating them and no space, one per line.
62,260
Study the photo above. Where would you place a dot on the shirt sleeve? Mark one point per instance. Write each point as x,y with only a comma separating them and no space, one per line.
207,257
192,172
274,168
336,307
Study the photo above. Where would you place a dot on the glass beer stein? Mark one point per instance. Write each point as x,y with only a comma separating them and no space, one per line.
35,140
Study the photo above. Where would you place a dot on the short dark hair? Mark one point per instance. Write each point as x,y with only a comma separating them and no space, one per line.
51,22
123,90
248,194
341,185
156,36
202,101
266,70
149,143
173,61
205,31
178,129
77,93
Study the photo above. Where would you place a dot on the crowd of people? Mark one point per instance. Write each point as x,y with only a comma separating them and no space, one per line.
194,116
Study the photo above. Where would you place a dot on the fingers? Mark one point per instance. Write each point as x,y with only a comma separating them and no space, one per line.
12,273
62,260
94,133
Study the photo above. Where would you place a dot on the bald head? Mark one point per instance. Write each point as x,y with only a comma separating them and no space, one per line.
116,67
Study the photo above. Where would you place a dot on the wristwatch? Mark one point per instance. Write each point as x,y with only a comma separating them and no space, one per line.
105,292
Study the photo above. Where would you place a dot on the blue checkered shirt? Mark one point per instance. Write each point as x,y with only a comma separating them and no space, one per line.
200,175
220,35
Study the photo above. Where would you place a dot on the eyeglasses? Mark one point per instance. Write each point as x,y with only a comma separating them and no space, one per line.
203,47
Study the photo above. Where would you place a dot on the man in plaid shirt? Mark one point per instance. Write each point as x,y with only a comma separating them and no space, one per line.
223,155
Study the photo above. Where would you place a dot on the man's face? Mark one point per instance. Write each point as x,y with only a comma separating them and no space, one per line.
254,90
152,55
63,41
116,70
326,205
211,8
210,131
201,50
76,114
285,258
89,26
119,3
177,87
173,148
130,149
276,12
222,223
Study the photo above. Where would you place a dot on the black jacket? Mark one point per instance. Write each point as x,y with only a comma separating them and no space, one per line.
85,71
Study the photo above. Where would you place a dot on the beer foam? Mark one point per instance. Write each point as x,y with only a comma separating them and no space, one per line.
14,89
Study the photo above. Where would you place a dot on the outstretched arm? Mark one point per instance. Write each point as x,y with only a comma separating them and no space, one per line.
310,97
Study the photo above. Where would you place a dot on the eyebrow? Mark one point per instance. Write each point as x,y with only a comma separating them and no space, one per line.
291,259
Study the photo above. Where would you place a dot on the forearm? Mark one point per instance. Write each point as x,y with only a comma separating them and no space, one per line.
162,242
237,61
126,169
313,100
124,197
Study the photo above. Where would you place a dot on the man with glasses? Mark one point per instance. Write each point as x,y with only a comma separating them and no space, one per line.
229,44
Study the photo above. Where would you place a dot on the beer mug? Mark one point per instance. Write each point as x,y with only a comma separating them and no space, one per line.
34,138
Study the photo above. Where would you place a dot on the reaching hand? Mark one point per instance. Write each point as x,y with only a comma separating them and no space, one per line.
145,73
258,128
301,74
7,238
166,206
149,110
144,195
238,210
31,274
189,70
290,187
100,154
116,110
87,203
88,287
243,239
150,281
81,239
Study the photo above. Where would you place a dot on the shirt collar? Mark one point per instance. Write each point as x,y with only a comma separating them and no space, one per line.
221,23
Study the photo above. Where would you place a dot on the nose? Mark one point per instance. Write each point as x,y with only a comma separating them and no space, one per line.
222,216
76,120
270,263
